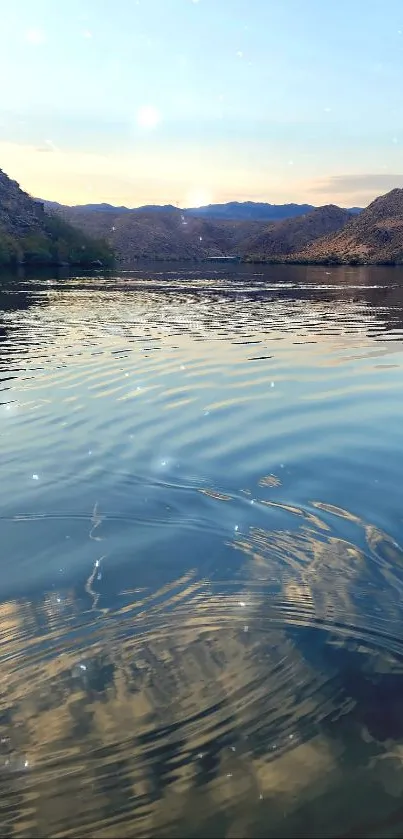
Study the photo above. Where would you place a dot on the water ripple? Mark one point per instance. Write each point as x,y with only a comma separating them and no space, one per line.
202,554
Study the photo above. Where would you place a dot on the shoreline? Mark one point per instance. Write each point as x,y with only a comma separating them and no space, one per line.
30,267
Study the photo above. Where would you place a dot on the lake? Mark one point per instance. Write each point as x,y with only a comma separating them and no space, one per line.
201,537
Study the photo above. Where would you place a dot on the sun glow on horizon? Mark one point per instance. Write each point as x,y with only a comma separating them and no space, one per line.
199,197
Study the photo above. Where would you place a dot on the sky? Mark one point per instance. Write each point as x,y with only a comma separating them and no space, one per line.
190,102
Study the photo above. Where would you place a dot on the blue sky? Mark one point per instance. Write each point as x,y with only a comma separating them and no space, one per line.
178,101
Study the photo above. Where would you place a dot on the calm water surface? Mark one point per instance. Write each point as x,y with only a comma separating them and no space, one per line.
201,568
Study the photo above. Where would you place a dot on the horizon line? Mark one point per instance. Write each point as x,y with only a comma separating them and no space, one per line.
201,206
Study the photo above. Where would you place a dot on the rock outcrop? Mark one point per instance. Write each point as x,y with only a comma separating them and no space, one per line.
30,235
375,236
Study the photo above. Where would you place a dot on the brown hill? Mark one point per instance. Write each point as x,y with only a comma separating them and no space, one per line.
172,235
164,235
294,234
375,236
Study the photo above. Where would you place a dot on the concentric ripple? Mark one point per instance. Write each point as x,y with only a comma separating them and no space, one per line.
202,554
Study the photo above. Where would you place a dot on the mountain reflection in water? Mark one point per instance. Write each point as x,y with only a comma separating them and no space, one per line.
202,553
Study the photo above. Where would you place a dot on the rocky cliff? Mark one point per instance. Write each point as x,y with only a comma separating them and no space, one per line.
30,235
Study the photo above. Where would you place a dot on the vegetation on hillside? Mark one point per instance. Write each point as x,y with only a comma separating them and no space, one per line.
57,244
10,251
30,236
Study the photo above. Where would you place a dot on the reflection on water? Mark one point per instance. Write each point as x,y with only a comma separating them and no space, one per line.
202,554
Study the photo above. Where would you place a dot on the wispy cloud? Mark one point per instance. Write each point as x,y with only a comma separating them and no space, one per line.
366,183
48,146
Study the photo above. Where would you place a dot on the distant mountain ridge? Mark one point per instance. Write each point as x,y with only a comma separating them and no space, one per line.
168,233
256,211
233,210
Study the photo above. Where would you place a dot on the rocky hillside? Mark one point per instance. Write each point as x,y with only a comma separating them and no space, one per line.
30,235
294,234
166,235
170,234
375,236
